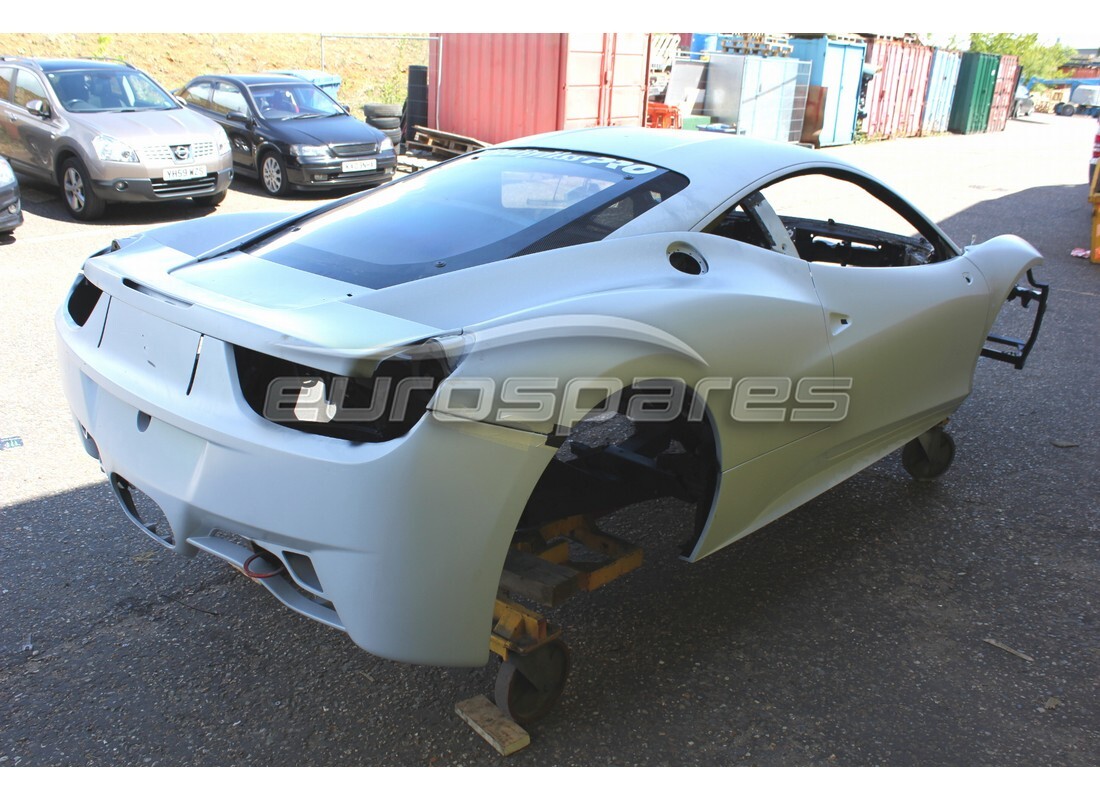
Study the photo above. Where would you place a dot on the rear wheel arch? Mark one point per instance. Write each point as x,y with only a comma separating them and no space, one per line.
683,456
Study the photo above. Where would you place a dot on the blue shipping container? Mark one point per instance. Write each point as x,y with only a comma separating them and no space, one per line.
838,67
942,79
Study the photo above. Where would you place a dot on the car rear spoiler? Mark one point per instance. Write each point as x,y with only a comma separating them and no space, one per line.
1012,350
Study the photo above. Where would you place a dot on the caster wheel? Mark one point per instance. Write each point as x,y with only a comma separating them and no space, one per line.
528,686
929,455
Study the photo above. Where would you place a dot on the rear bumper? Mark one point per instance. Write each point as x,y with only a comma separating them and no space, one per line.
399,543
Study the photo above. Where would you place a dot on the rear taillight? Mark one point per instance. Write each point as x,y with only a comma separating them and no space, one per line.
1096,145
82,300
379,408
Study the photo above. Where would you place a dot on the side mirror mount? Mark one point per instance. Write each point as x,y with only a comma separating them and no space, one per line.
39,108
241,117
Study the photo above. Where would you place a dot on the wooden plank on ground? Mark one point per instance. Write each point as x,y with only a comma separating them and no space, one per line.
493,725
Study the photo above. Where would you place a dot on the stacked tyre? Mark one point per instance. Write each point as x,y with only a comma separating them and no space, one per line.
416,107
386,117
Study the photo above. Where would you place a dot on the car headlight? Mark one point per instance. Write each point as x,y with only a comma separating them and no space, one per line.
385,145
6,175
310,151
111,149
223,142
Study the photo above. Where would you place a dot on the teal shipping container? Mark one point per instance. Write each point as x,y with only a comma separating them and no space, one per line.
974,93
942,80
837,66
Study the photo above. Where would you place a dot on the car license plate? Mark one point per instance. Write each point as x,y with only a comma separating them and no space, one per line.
359,166
183,173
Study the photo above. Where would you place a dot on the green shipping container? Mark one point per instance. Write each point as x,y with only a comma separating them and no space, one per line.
974,93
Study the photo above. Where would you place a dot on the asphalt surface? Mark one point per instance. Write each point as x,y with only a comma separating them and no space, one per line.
854,631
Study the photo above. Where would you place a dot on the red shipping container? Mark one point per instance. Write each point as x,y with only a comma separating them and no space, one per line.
1081,72
1004,92
895,96
499,86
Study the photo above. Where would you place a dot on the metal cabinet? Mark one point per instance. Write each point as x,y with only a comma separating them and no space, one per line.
836,66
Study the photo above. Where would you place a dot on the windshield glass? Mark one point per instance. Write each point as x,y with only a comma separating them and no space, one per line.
489,206
293,101
108,89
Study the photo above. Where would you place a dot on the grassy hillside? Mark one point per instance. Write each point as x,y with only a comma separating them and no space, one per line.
372,70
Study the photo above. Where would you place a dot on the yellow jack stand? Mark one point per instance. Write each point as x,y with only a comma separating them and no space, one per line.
535,660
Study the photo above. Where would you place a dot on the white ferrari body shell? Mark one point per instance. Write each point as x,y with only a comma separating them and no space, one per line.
401,542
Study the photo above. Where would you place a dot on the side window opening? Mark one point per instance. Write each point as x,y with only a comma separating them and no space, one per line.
28,88
5,83
830,219
199,94
753,221
227,98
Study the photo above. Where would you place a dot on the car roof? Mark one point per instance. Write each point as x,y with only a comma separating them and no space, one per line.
63,64
254,79
718,166
692,153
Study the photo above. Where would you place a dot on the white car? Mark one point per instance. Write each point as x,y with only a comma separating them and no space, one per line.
360,405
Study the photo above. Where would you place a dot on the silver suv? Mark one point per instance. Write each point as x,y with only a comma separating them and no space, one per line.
105,132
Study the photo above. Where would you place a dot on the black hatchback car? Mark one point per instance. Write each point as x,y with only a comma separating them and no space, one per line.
291,134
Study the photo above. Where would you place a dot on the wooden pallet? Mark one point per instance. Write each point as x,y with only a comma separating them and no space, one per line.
843,38
757,44
904,38
442,143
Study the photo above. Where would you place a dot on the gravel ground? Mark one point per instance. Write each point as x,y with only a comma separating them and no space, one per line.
854,631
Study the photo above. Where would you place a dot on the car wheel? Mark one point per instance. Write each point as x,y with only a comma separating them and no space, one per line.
273,174
211,200
529,685
1068,110
929,455
76,188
